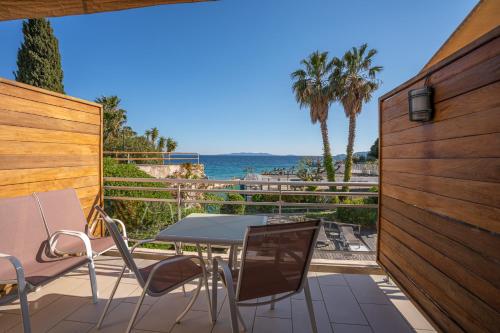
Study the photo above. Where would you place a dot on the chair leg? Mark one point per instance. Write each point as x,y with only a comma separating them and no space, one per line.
215,280
93,281
191,302
136,310
273,297
242,321
23,299
310,308
108,303
207,291
233,310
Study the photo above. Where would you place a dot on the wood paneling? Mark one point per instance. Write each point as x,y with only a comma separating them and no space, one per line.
439,220
19,9
49,141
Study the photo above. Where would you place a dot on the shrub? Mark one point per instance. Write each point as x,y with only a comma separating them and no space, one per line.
233,209
213,208
143,219
363,216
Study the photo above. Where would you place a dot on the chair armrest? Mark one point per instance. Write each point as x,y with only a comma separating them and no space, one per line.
18,267
144,241
122,225
228,276
72,233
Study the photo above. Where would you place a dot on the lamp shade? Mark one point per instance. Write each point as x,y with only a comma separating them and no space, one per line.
420,104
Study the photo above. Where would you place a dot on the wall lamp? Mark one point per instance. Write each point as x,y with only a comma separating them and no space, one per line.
420,104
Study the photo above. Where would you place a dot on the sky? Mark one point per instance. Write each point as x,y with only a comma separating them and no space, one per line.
216,76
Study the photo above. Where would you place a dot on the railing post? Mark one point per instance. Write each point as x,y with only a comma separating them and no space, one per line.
279,202
179,212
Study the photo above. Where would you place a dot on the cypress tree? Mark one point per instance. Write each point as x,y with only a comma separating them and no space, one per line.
38,58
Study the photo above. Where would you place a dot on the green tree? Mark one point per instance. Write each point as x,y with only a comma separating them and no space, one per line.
162,141
114,118
154,135
171,145
38,58
312,89
147,134
354,81
374,150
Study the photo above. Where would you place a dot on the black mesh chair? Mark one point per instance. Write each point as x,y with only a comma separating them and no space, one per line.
275,261
156,279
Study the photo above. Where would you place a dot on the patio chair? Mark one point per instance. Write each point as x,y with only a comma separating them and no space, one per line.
347,236
322,240
156,279
275,261
63,216
25,258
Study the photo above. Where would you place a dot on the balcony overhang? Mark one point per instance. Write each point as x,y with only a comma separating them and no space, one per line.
20,9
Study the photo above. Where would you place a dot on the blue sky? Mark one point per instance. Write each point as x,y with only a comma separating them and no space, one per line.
215,76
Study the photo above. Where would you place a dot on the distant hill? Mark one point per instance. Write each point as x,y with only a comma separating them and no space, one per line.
341,157
249,154
338,157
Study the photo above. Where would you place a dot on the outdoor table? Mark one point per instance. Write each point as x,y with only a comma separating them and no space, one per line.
211,229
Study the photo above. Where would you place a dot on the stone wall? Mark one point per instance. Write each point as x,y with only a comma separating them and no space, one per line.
174,170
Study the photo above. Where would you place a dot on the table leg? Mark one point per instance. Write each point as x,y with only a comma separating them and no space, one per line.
178,251
231,256
209,256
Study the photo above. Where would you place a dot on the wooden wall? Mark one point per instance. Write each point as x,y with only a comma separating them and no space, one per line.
439,221
49,141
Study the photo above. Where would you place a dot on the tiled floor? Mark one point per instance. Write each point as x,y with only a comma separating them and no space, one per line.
342,303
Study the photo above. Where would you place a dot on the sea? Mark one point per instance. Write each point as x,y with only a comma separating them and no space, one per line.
237,166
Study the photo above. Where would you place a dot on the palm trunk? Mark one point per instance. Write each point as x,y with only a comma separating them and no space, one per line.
350,150
327,155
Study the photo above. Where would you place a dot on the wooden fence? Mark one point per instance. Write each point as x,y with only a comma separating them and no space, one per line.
439,219
49,141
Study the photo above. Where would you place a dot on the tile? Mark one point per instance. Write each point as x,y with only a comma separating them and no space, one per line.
346,328
51,315
365,289
412,315
300,317
201,303
385,318
8,320
272,325
342,306
71,326
161,316
282,309
315,290
90,312
117,320
223,324
46,295
195,321
333,279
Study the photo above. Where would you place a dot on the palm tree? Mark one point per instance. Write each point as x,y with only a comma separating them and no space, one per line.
113,117
147,134
154,135
171,145
354,81
162,141
312,89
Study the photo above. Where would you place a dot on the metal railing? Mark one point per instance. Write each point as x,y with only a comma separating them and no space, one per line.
161,156
247,188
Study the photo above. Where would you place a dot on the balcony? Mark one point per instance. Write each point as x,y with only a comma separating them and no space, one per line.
343,303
